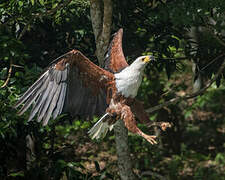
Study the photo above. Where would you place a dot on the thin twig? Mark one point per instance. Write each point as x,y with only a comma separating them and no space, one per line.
9,75
17,66
175,58
189,96
25,28
212,62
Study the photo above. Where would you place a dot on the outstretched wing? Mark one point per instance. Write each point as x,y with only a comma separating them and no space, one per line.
71,84
114,58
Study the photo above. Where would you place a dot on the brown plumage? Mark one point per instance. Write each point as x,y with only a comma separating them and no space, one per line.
114,59
72,83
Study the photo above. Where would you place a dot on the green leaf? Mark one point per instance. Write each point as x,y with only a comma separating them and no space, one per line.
220,158
20,3
20,173
32,2
42,2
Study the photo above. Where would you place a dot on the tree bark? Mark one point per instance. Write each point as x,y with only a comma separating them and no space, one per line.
101,23
123,152
101,17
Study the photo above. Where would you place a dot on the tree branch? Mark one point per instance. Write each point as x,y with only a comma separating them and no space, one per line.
9,75
189,96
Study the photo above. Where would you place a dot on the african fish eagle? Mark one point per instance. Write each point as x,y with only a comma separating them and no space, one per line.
72,83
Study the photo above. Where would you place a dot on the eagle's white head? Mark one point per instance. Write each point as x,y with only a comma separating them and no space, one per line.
129,79
140,63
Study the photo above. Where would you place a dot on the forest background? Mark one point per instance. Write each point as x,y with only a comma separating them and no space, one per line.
187,38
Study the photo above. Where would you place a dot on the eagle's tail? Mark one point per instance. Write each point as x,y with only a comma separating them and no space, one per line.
100,128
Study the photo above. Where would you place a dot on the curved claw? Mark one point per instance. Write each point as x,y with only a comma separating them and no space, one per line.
150,139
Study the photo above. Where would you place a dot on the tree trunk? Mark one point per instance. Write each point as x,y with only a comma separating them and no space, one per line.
123,153
101,23
101,17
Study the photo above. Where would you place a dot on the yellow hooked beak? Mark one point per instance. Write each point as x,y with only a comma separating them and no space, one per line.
147,59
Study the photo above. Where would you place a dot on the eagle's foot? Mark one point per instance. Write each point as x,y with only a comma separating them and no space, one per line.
162,125
150,139
165,125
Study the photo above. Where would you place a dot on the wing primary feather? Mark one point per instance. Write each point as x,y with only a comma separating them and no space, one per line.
52,74
49,99
58,76
44,105
52,105
31,99
28,103
35,108
38,103
61,100
62,95
32,89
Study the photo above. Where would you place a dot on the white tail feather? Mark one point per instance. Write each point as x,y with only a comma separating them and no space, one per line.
100,129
